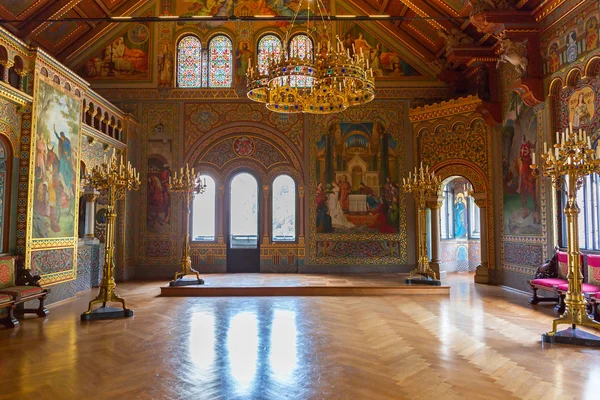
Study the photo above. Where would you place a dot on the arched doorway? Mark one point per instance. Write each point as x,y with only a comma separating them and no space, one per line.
460,228
243,227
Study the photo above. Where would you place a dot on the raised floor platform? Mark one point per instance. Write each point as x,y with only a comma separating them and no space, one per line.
303,285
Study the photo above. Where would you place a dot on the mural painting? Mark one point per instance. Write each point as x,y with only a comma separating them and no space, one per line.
521,198
577,106
575,39
238,8
58,117
159,198
357,180
460,217
383,60
126,57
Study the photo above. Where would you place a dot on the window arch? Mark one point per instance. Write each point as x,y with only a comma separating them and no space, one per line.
220,62
269,47
204,212
284,209
189,61
301,46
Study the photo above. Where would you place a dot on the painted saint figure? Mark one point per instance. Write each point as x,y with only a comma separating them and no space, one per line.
572,50
526,180
345,189
338,219
459,218
581,114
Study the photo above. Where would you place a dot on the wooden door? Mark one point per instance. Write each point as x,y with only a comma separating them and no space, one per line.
243,236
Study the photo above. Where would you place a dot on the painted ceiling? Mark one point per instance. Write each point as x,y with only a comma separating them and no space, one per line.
408,46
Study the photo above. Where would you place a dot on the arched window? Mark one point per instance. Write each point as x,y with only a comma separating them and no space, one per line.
588,200
301,46
243,220
269,47
189,61
204,212
284,209
220,62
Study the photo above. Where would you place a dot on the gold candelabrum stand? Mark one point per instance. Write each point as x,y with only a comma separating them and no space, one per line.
567,164
186,184
422,184
115,179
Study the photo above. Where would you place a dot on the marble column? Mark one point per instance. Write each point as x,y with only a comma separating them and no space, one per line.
301,209
482,273
90,195
434,204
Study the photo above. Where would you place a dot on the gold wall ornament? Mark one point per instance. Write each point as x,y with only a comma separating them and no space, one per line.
115,179
186,184
567,164
422,184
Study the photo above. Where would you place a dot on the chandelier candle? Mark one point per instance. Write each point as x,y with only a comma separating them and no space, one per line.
422,184
567,164
187,184
113,179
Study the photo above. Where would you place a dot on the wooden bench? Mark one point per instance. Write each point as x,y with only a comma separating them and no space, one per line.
594,302
8,302
17,283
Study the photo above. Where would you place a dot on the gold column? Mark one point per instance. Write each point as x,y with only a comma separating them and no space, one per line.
422,184
567,164
115,179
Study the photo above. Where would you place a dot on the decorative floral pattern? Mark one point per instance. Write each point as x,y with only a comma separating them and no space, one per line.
523,254
350,249
158,248
7,267
47,262
201,118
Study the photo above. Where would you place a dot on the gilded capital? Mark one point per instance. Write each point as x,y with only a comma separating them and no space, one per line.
91,197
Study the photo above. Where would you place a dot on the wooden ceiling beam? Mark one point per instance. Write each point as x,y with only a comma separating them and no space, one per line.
56,10
99,31
105,9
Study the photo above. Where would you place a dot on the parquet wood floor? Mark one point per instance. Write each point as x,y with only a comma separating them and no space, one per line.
482,342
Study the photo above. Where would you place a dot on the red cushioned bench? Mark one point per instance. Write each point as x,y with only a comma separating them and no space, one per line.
17,284
547,279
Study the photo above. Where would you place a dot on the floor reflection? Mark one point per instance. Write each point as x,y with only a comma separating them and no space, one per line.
242,350
202,341
283,354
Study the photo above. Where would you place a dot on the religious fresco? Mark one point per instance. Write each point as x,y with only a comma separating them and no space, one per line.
384,61
521,192
574,39
159,198
127,57
578,106
357,180
237,8
57,143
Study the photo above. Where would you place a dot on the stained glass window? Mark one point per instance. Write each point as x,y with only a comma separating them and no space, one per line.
284,209
204,68
269,47
204,212
220,62
301,46
188,62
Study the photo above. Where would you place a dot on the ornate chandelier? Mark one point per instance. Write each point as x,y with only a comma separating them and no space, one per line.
329,81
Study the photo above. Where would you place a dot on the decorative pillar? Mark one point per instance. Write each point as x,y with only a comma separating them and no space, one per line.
301,209
7,65
482,273
90,195
434,204
266,214
221,210
22,74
